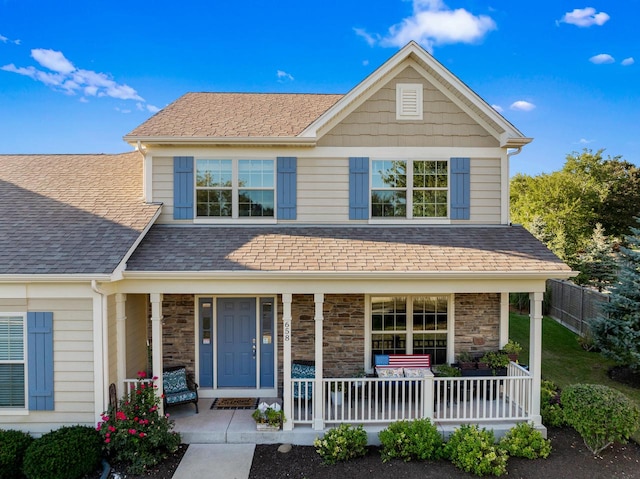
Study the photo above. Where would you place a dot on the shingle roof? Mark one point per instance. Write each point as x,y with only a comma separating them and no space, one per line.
344,249
63,214
239,115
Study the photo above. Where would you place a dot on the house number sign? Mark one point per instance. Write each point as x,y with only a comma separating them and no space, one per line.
287,330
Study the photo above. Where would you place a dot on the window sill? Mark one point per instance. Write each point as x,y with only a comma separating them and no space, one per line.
406,222
14,412
234,221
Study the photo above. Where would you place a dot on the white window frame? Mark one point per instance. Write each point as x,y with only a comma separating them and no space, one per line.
408,331
235,193
409,190
14,410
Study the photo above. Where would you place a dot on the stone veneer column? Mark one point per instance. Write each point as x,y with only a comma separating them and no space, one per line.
535,354
156,339
318,414
287,407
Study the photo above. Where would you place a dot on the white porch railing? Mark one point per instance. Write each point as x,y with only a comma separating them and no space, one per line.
445,400
130,385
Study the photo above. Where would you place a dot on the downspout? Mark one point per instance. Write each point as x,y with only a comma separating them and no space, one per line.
100,355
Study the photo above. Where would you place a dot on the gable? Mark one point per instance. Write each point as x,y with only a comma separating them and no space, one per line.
374,123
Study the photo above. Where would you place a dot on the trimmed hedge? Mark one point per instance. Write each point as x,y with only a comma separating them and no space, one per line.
13,445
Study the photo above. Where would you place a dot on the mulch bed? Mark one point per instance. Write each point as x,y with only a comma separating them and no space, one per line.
569,458
625,375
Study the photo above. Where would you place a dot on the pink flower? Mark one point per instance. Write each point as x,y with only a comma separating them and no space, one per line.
112,429
99,426
107,440
121,416
105,418
153,409
108,435
155,378
142,374
142,434
132,431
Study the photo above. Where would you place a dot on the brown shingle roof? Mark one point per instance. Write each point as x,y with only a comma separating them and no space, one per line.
64,214
344,249
239,115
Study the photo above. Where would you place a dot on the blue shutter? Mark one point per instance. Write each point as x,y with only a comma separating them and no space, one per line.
359,188
183,187
40,361
460,170
287,188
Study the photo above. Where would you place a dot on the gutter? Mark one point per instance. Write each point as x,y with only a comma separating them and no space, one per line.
205,140
100,349
50,278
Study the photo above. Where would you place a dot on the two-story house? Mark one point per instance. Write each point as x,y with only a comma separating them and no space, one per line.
248,231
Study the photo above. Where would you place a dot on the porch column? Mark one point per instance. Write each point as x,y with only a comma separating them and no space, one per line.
535,353
121,341
504,318
318,403
156,340
286,367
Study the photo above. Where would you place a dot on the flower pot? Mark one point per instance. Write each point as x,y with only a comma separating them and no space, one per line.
336,398
261,426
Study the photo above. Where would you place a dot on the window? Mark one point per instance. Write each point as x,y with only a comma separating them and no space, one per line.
235,188
12,361
409,189
410,325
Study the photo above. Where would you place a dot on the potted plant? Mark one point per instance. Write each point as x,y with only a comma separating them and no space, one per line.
268,417
497,361
336,393
466,361
513,349
448,393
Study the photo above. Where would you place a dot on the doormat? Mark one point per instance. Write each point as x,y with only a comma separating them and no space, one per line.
235,403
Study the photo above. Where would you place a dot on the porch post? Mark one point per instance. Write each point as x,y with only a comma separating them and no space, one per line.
318,403
504,318
121,340
156,340
535,354
286,367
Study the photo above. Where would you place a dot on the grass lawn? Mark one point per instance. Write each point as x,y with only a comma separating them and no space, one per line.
563,360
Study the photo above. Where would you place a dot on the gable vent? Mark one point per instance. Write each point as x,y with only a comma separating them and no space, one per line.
408,101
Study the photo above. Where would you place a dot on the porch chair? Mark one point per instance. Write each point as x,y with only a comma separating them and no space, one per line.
301,369
179,387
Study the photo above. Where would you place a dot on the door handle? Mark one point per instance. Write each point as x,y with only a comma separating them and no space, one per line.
253,347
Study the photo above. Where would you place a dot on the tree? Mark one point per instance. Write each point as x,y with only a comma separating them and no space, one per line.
597,263
617,331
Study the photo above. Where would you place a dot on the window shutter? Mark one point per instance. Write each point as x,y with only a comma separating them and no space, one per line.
359,188
40,361
183,187
460,188
287,187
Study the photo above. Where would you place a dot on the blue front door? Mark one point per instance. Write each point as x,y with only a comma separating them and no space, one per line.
236,342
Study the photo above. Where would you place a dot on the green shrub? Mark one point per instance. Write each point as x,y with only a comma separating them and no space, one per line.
407,440
601,415
524,441
136,434
13,445
66,453
474,450
550,405
342,443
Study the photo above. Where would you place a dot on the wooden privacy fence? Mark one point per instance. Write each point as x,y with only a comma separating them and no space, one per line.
574,306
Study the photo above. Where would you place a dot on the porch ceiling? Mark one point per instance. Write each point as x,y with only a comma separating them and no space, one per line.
437,249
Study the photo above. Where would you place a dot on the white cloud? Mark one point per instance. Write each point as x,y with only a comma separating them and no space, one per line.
497,108
83,100
627,61
284,76
584,141
4,39
365,63
433,23
122,110
65,77
585,17
522,105
153,108
601,59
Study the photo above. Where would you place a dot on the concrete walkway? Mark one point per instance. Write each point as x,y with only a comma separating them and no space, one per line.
216,461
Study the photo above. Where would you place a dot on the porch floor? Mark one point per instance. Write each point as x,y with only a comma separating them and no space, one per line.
214,426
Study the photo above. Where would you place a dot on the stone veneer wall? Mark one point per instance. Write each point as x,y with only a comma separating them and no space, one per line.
477,322
343,331
178,347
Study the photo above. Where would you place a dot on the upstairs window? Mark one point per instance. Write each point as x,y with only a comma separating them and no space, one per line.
235,188
409,189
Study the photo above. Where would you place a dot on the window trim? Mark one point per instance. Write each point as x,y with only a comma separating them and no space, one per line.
408,331
409,190
235,188
24,362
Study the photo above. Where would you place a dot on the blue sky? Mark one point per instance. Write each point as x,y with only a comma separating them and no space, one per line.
77,76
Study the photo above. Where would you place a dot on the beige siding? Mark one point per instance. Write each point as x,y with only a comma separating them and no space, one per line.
323,190
73,364
136,311
374,124
485,191
162,185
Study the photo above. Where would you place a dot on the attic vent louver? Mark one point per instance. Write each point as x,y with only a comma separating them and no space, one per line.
408,101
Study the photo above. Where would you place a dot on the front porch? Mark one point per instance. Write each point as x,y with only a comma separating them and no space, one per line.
497,403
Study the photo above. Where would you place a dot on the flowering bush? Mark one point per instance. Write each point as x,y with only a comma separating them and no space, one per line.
342,443
136,434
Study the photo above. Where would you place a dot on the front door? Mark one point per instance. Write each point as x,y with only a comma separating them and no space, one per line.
236,342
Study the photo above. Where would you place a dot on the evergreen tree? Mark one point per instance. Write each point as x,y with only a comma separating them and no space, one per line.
597,263
617,331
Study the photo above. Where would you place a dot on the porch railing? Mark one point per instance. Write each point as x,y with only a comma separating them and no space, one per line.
445,400
130,385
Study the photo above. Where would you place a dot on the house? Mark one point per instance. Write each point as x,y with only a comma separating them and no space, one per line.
248,231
